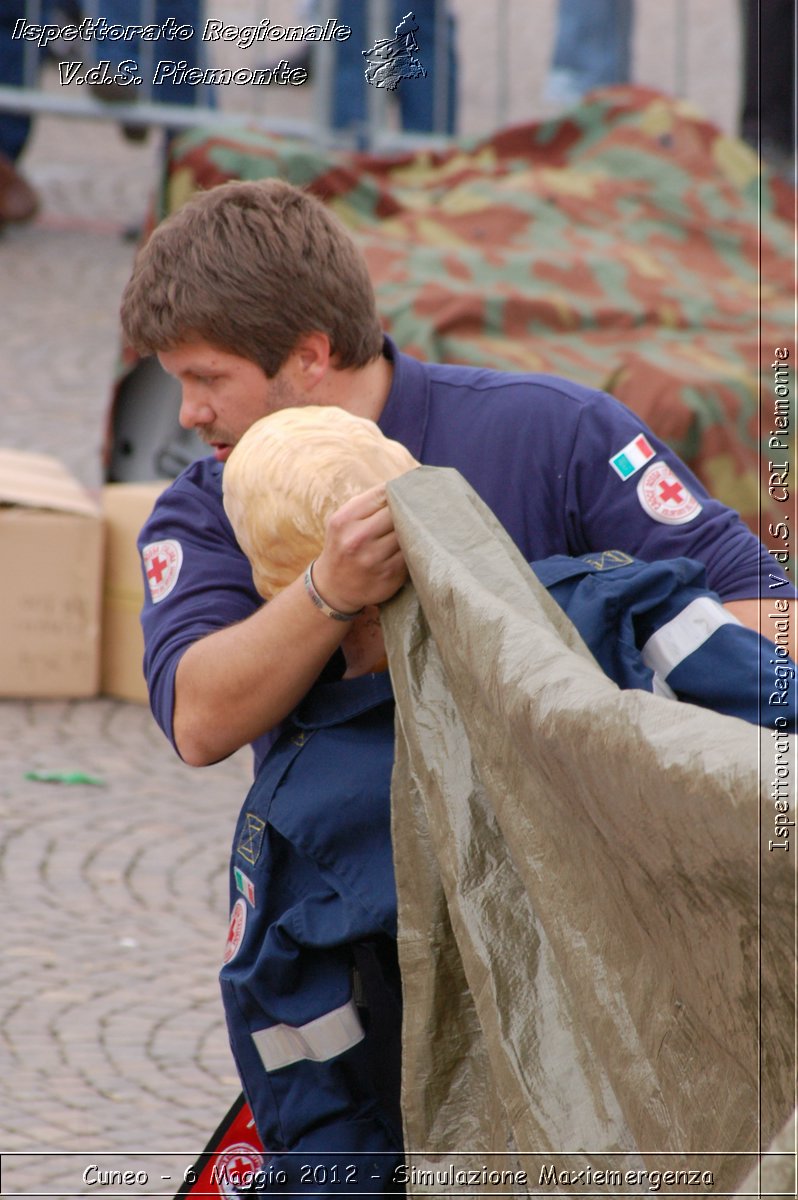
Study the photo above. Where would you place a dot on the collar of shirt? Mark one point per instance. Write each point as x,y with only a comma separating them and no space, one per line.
406,412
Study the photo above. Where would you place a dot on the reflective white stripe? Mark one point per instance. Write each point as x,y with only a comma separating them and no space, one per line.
660,688
319,1040
682,636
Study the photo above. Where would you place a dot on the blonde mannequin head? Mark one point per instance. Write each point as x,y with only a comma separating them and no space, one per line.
289,473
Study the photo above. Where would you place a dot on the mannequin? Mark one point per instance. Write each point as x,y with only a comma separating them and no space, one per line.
287,475
319,1057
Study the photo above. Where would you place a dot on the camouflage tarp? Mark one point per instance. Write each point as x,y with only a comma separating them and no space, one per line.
597,941
618,245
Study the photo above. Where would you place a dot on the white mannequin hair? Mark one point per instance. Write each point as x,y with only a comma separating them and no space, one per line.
289,473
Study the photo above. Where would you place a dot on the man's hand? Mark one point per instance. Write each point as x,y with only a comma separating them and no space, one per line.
361,562
234,685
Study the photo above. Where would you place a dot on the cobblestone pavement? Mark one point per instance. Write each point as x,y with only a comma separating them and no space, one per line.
111,1032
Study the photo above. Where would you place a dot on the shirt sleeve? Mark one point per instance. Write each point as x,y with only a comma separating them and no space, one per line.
197,580
650,504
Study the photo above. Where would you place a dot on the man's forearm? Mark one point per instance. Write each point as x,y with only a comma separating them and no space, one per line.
234,685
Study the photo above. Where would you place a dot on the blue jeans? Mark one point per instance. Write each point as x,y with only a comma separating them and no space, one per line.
417,97
593,43
184,12
15,127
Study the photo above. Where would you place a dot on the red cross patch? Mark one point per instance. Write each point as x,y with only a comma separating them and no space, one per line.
235,934
665,498
162,563
236,1168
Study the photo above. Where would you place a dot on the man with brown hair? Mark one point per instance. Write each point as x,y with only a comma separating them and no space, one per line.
256,299
243,267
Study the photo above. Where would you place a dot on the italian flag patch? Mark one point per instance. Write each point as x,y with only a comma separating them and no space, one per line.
245,885
634,456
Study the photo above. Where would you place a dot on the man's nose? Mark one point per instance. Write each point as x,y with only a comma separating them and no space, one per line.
194,411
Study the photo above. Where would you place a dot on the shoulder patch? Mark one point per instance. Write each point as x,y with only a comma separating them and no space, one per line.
235,934
607,560
244,885
636,454
665,498
251,839
162,563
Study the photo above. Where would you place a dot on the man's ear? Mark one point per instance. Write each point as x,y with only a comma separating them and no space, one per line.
309,361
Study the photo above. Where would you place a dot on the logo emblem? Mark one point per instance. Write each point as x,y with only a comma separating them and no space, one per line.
162,563
627,462
665,498
235,1169
608,560
235,934
251,839
392,59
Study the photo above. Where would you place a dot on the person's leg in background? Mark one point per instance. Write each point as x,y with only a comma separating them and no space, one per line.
430,105
592,48
171,88
18,201
149,54
417,97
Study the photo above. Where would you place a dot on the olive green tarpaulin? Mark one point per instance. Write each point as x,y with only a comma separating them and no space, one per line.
597,945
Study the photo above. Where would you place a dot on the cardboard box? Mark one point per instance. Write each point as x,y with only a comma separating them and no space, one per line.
51,545
126,507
